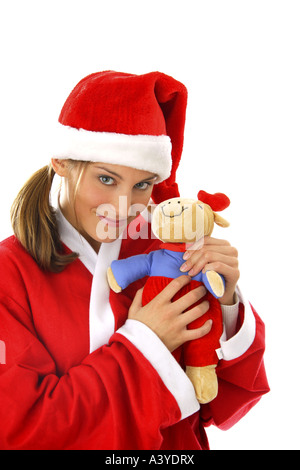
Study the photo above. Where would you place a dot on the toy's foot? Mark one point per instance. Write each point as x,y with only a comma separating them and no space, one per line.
214,282
205,382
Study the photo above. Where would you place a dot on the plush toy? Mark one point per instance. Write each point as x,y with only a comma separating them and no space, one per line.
178,222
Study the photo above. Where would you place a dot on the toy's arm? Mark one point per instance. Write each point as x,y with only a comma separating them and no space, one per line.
125,271
112,281
214,282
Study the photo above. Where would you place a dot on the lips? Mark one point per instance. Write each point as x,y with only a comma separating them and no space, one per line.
171,213
112,222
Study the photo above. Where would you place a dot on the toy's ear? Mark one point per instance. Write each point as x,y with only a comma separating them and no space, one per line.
220,221
218,201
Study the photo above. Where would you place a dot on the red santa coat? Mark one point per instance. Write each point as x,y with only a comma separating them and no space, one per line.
79,375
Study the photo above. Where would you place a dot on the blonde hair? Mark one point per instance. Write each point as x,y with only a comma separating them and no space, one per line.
34,221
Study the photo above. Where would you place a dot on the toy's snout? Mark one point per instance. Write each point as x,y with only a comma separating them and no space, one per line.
173,208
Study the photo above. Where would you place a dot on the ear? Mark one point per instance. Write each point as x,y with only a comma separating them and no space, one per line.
220,221
59,166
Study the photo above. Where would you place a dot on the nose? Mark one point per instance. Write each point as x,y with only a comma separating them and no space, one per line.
118,207
126,206
122,205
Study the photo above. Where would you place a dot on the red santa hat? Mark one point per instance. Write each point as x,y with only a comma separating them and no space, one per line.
125,119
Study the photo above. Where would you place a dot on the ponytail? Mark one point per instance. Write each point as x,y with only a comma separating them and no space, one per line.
34,222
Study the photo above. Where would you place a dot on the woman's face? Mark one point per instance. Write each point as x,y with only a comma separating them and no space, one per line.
105,199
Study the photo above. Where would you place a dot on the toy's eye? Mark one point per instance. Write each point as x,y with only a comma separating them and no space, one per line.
178,202
200,206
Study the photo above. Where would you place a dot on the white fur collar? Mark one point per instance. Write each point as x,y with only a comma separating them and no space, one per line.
102,322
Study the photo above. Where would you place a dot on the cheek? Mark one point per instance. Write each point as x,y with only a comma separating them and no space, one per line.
86,204
88,199
194,223
142,197
138,204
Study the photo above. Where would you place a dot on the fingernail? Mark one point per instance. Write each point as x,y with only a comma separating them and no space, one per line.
184,268
186,255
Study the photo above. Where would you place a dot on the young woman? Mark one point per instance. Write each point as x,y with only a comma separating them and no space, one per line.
86,368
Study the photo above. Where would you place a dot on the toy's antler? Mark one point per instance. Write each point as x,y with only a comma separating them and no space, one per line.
218,201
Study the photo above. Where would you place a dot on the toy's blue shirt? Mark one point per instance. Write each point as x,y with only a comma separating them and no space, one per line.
163,262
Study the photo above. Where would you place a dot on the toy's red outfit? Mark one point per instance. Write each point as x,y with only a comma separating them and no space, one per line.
79,375
161,266
197,353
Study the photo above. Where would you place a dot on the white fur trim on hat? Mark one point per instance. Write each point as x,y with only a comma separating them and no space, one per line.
143,152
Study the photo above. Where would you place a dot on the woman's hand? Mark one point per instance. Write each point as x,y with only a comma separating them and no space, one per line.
167,319
217,255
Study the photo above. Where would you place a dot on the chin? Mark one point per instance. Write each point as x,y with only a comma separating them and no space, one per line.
107,240
108,234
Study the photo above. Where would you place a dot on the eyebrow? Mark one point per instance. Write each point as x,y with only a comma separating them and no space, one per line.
119,176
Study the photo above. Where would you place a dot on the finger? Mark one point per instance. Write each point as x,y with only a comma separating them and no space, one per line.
224,249
189,299
195,246
230,273
227,250
202,243
215,241
172,288
210,258
194,265
197,333
137,301
195,313
207,241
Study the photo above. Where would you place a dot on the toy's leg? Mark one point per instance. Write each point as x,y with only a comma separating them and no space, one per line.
214,283
205,382
154,285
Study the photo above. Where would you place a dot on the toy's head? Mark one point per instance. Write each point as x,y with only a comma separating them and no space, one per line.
181,220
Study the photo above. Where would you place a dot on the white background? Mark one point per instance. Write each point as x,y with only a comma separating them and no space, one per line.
240,63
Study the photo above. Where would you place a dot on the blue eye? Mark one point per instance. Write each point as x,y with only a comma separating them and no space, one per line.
107,180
